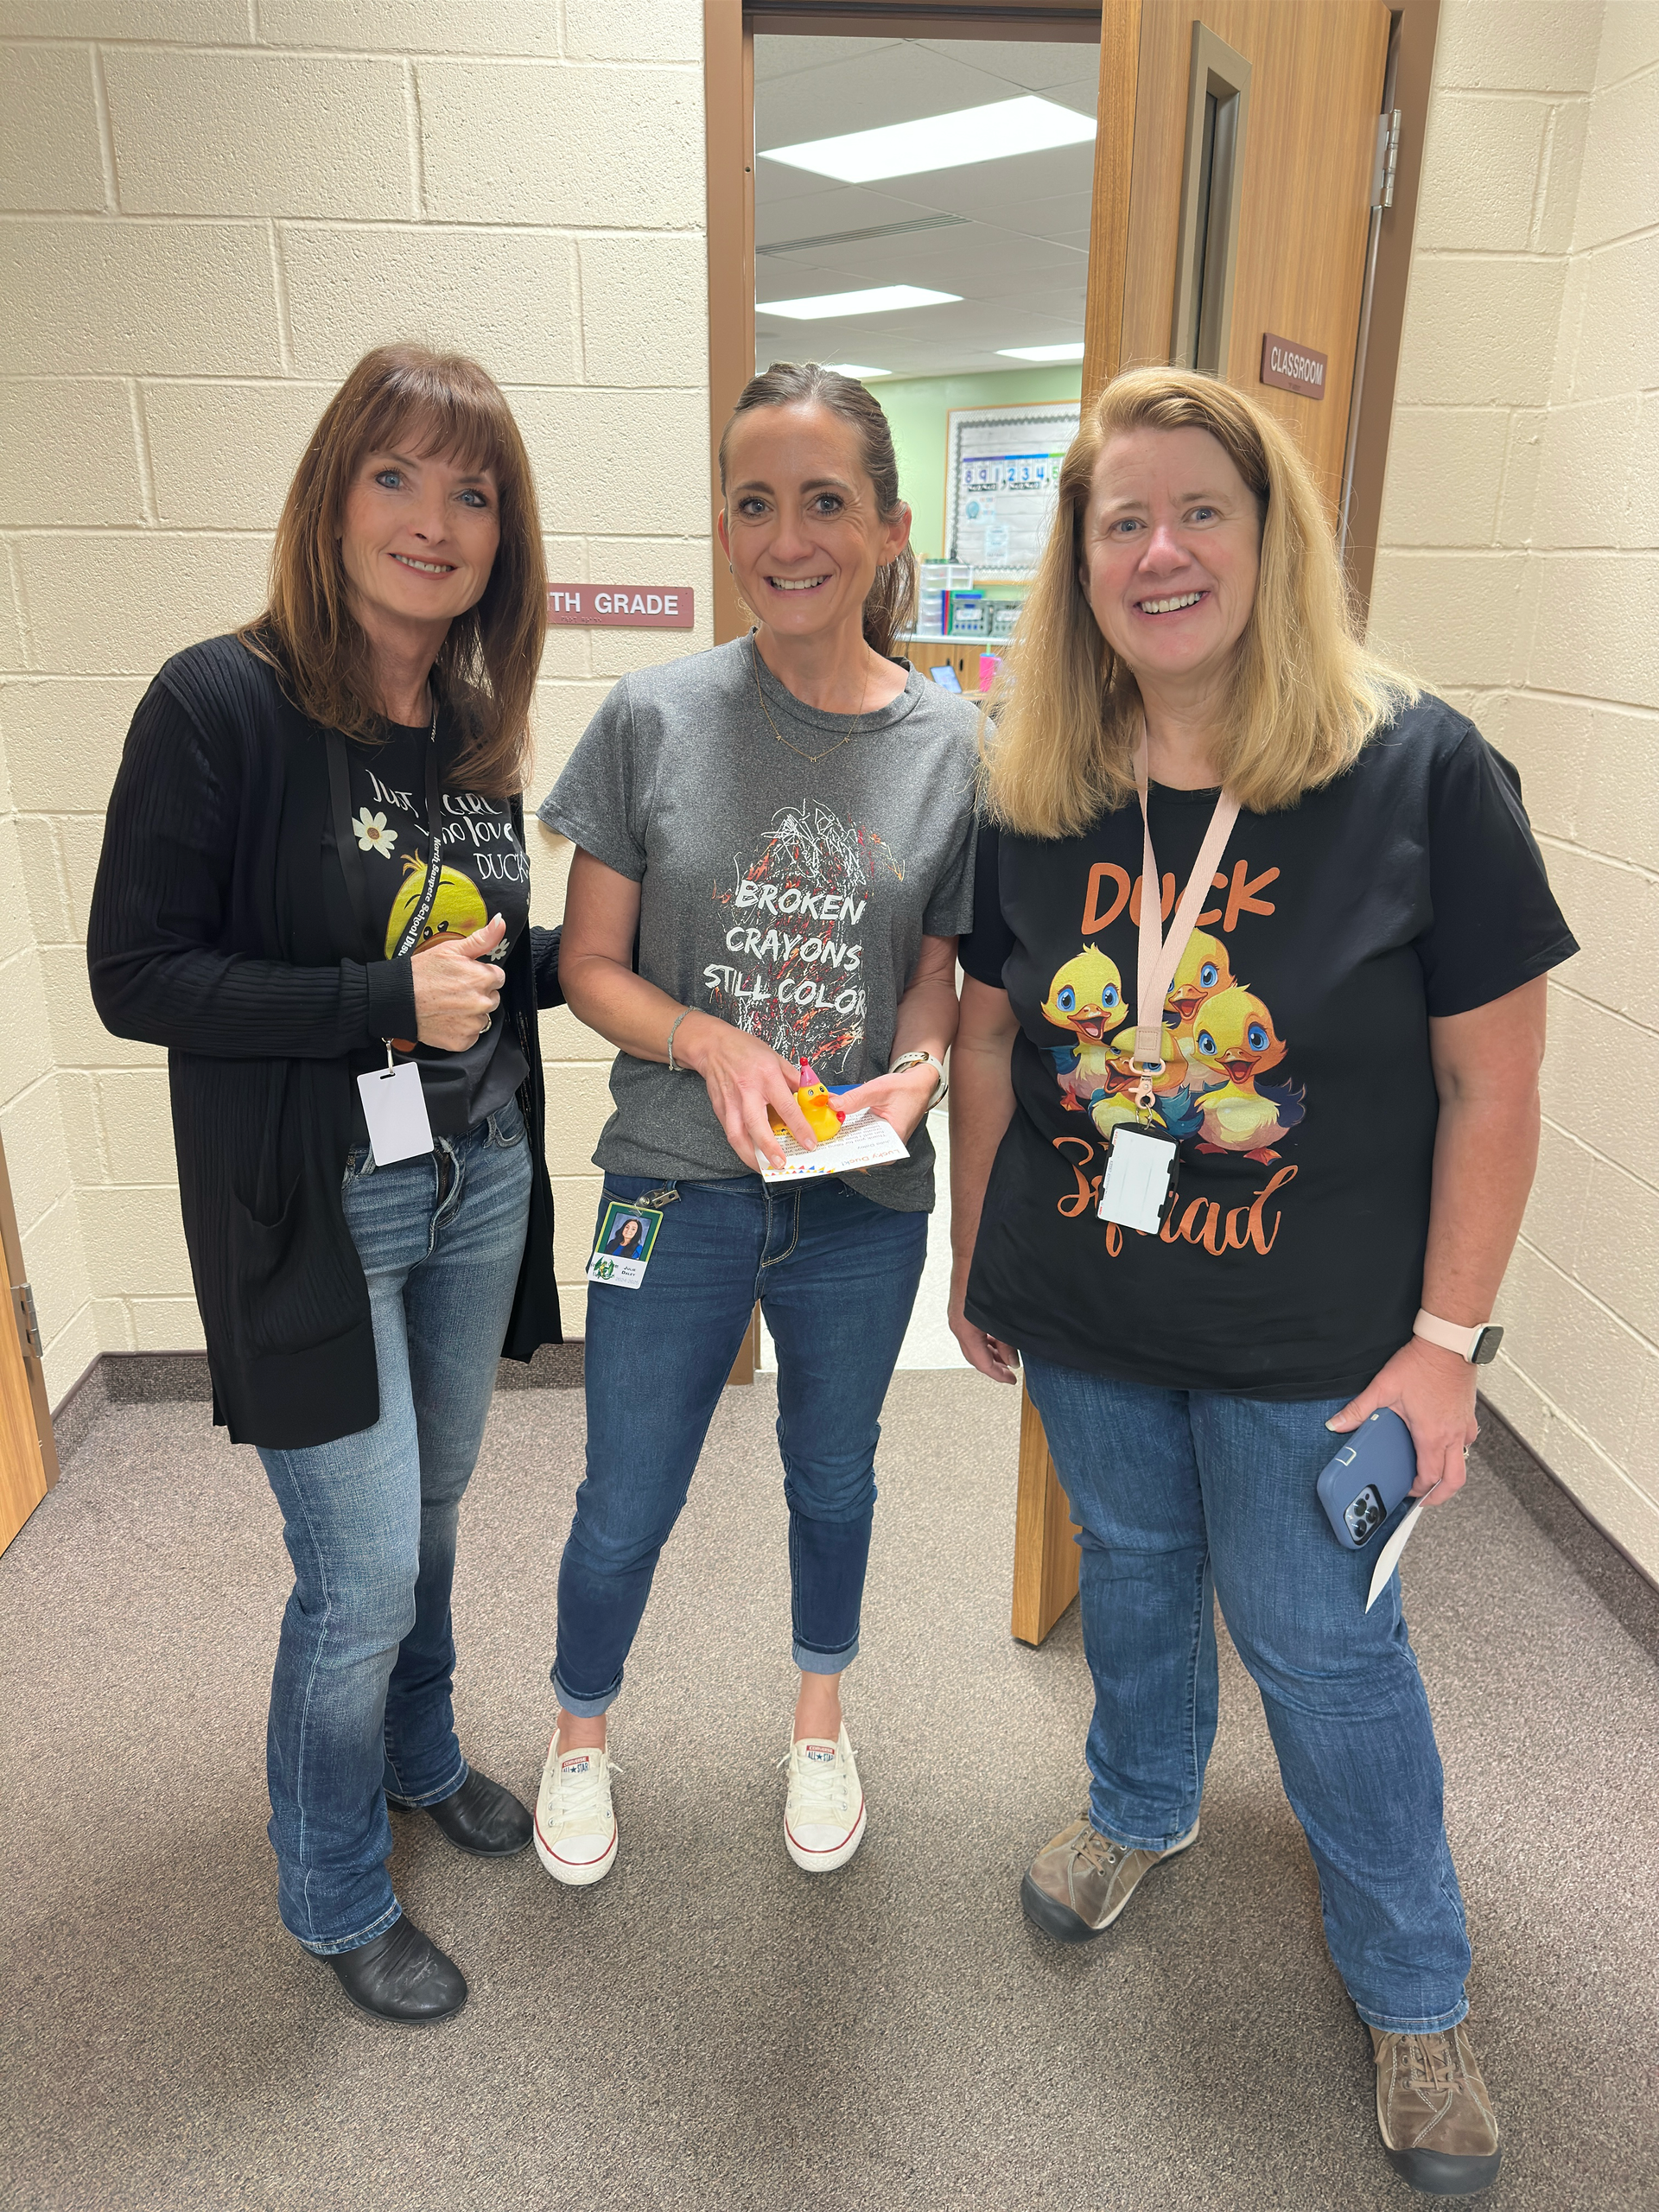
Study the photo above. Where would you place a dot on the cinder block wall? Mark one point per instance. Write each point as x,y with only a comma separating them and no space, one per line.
1520,579
208,209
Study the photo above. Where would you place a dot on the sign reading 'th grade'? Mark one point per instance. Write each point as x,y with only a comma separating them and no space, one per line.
621,607
1291,367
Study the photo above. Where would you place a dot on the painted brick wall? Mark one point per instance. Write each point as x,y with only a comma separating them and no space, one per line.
1520,579
208,209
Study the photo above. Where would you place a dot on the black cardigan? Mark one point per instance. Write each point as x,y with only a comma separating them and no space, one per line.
216,929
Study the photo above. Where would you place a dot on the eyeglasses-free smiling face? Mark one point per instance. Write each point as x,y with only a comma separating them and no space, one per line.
418,537
1171,554
800,526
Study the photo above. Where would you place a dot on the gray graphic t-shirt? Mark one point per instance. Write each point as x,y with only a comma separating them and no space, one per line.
786,896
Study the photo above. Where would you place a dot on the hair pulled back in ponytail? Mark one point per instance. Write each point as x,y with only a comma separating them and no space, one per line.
890,604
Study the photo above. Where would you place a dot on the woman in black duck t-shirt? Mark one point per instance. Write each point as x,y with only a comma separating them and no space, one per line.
1345,1061
314,862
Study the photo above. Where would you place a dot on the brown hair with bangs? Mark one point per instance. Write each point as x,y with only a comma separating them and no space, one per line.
429,404
1306,696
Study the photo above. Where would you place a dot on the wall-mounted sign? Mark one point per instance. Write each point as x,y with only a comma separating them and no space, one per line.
1291,367
620,607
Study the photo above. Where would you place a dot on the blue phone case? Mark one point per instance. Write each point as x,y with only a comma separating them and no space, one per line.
1368,1478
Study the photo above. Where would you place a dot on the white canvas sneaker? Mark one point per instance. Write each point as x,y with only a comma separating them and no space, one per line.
823,1816
576,1828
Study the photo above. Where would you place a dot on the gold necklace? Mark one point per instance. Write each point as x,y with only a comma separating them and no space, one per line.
754,659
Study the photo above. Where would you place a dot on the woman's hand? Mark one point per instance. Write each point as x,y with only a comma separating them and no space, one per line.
744,1077
457,987
901,1100
1434,1392
987,1353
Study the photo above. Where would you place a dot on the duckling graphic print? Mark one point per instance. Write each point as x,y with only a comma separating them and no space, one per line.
457,908
482,867
1218,1042
1234,1046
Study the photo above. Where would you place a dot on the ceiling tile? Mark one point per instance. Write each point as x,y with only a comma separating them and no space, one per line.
1033,65
1018,261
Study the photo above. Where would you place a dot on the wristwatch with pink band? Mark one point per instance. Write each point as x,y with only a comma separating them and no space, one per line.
1478,1345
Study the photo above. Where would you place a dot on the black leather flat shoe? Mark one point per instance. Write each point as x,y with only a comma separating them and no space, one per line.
483,1818
401,1976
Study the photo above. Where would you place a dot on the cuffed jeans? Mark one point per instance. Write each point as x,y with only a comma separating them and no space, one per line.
1183,1496
360,1701
836,1275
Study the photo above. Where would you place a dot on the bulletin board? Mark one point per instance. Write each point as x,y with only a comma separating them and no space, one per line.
1001,482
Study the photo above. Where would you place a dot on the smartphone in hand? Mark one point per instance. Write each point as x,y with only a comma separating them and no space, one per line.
1368,1477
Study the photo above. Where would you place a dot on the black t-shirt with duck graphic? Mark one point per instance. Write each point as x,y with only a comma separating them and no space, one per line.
484,872
1297,1070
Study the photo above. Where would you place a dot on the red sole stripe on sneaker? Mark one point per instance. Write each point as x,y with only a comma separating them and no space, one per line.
564,1858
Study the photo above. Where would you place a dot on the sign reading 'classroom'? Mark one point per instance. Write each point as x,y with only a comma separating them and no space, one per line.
620,607
1291,367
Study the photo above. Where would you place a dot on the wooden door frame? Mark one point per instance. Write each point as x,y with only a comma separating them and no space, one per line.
1417,25
17,1291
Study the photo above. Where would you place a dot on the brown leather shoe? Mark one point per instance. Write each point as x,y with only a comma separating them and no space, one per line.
1079,1884
1433,2114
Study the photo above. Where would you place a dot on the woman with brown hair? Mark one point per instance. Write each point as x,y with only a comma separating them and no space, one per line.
1246,1111
774,858
314,891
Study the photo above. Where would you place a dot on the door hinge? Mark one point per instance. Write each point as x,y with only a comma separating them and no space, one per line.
1387,155
29,1326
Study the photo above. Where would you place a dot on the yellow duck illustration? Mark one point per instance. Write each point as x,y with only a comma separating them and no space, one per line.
1203,970
1234,1043
823,1116
1086,997
457,910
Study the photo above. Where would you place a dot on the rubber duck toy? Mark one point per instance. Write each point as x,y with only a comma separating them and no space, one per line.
1234,1040
823,1116
1086,997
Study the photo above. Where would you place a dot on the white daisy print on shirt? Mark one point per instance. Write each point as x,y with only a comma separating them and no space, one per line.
372,835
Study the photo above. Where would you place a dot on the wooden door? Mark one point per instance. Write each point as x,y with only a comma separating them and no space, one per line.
1312,78
29,1465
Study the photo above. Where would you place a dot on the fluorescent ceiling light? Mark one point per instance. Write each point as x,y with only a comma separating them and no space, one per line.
855,369
879,302
1070,351
940,142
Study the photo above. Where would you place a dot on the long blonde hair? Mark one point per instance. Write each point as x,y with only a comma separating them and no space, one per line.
1060,724
485,670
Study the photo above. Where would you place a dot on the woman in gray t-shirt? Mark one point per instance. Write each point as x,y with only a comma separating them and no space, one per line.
774,862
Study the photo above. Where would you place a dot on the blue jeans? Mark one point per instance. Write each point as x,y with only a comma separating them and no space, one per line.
836,1275
360,1704
1185,1496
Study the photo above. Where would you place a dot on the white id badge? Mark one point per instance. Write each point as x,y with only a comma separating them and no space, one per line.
622,1248
394,1106
1140,1171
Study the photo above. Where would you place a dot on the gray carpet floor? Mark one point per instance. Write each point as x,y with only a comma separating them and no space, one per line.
708,2028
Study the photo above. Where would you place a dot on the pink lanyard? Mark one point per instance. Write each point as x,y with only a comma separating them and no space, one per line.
1160,955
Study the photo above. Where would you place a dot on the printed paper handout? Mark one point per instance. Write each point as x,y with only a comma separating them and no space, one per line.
863,1141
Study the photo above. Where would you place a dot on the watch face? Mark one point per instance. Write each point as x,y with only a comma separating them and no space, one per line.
1486,1346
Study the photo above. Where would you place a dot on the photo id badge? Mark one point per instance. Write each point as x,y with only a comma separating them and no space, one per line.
394,1106
622,1248
1142,1167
